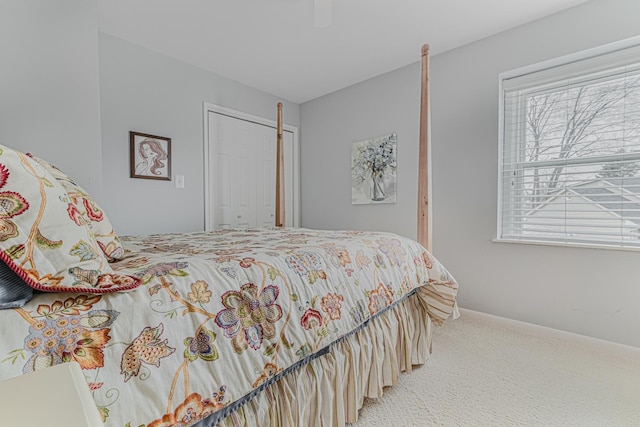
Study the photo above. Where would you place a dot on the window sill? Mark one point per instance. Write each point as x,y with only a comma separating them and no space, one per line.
568,245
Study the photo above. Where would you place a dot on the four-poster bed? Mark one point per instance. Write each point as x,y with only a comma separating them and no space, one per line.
271,326
424,217
280,215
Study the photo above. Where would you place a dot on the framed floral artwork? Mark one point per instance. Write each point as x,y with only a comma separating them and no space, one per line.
150,156
373,170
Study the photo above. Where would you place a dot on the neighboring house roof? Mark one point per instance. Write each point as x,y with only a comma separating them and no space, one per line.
614,203
632,183
605,193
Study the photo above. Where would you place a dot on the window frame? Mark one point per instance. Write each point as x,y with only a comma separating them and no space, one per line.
563,61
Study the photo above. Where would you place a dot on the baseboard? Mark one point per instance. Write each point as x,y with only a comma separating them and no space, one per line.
532,328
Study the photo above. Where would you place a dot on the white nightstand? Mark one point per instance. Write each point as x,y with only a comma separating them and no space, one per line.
55,396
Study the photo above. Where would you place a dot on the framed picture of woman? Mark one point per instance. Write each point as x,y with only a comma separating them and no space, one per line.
150,156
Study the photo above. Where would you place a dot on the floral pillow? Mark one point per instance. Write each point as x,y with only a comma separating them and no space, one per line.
86,210
40,238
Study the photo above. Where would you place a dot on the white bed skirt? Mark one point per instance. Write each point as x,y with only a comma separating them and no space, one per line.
329,390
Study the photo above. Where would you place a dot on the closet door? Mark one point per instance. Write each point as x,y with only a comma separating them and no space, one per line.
289,178
266,173
242,173
234,172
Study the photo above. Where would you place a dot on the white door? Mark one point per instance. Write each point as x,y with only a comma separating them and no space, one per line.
235,164
242,172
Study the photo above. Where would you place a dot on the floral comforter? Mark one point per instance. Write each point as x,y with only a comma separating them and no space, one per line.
219,314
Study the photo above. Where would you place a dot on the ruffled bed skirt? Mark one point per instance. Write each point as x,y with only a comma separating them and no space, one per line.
330,389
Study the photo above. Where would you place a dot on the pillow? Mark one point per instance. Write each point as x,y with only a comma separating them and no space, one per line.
13,291
87,210
40,237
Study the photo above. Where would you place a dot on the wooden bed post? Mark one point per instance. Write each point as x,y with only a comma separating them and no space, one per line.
280,215
424,219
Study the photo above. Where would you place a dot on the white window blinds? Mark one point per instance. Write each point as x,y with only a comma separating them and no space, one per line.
570,151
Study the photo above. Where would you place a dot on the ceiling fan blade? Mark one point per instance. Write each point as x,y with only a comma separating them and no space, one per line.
323,12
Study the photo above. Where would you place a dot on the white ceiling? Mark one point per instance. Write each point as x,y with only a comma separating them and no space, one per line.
273,45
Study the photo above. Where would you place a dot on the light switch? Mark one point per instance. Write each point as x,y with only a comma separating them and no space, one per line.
179,181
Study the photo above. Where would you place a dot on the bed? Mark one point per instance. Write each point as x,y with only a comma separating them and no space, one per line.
273,326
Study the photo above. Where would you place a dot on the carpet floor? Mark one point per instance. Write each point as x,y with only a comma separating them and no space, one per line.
489,371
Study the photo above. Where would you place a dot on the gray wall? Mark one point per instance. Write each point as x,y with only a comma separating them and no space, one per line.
385,104
71,96
49,88
151,93
588,291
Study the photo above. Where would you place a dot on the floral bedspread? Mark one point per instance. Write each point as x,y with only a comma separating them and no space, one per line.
218,314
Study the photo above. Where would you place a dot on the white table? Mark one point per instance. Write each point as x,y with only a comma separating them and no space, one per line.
55,396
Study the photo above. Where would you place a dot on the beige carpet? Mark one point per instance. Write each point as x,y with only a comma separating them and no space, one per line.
486,371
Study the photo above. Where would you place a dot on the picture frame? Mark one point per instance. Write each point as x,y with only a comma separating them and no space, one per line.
150,156
373,170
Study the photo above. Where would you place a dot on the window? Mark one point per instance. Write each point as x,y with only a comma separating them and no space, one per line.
570,150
